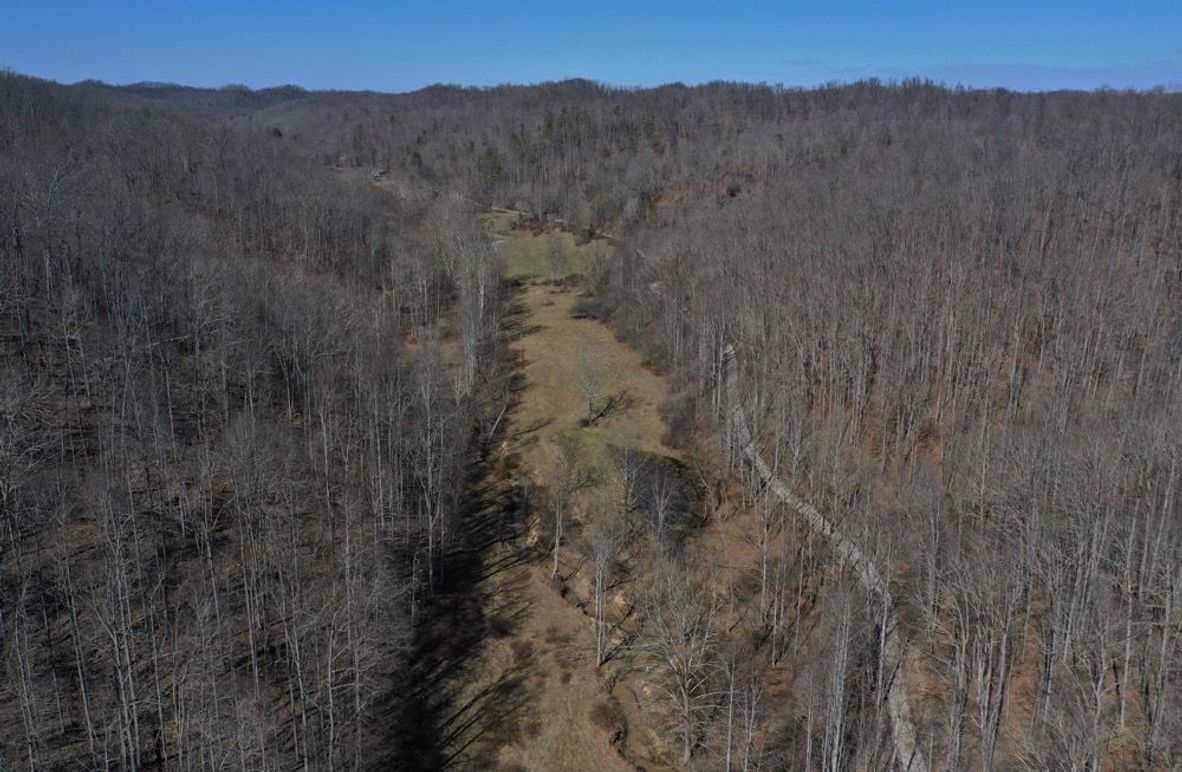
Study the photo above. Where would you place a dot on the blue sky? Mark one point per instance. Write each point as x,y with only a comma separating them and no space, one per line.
399,46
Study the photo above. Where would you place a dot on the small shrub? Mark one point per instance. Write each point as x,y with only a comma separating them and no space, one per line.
608,716
589,308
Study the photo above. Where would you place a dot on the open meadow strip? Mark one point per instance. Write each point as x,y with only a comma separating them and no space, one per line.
534,698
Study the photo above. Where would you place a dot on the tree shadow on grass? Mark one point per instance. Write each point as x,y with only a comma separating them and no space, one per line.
447,708
516,322
534,426
429,719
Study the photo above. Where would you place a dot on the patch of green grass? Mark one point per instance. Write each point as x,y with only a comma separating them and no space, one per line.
529,257
563,353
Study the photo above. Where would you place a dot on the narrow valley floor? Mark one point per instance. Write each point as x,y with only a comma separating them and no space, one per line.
510,652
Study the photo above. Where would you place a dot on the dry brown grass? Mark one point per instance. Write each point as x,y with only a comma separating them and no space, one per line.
558,355
561,352
550,646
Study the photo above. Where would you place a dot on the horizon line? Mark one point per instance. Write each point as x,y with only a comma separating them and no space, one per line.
899,81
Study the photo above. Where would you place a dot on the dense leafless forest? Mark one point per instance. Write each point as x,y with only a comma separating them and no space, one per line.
245,393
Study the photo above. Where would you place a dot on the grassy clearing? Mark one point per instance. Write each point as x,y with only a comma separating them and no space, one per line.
528,256
563,355
572,725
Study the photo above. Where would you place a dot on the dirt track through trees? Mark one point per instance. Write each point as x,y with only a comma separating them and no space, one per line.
908,754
